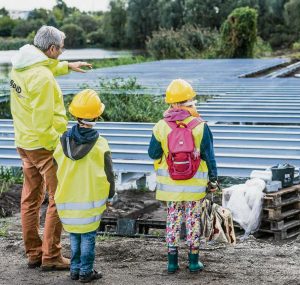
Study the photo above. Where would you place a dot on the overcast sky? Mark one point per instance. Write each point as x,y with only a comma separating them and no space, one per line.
27,5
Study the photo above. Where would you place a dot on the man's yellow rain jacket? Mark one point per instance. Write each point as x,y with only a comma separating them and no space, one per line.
36,100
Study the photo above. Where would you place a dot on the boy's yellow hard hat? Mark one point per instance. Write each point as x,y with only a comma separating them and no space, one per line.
86,105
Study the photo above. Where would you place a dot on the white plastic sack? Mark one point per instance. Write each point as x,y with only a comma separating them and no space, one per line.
245,203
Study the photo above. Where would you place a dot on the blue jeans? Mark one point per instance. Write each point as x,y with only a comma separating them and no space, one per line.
82,252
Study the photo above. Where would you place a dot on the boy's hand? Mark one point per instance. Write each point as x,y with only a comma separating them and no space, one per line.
213,186
110,202
76,66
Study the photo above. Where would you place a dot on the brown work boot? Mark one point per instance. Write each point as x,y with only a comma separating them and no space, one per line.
34,263
61,263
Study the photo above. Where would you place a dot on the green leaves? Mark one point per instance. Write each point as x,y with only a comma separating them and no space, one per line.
239,33
126,101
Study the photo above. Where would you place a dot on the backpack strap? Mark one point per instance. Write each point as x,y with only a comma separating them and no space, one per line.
194,123
172,125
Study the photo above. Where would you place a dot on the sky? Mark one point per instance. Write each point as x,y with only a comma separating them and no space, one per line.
83,5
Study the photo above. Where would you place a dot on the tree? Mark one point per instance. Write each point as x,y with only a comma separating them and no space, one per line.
239,33
143,19
114,24
171,14
62,11
39,14
271,26
6,26
75,36
3,12
24,27
207,13
291,16
96,38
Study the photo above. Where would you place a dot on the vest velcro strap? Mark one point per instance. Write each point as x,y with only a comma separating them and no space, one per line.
198,174
80,205
180,188
80,221
194,123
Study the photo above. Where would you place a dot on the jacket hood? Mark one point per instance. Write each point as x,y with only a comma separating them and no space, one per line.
28,55
174,114
78,142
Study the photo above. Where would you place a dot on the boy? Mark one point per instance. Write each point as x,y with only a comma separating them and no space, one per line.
85,181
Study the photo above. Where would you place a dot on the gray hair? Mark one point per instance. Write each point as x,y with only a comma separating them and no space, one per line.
47,36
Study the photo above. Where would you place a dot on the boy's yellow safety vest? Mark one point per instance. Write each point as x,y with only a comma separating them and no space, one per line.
167,189
82,189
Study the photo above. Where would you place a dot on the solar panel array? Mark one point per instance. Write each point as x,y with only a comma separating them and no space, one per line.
255,121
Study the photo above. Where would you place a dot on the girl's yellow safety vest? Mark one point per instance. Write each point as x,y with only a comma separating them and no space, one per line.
82,189
167,189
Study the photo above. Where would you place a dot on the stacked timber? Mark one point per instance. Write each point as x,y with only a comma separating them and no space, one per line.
281,213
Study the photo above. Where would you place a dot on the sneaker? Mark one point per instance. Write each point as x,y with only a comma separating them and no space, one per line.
61,263
94,275
74,275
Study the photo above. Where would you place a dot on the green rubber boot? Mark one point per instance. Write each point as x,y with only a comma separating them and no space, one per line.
173,260
194,264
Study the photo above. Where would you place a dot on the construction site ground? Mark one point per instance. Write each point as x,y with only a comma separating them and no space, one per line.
143,260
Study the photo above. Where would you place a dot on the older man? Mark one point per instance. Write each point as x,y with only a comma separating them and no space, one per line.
39,118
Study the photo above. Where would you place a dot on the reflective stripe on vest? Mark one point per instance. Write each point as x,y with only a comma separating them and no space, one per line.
198,174
80,206
80,221
179,188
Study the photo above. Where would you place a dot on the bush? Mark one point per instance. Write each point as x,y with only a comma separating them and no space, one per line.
9,43
167,44
187,42
123,104
25,27
238,33
296,46
126,107
262,48
6,26
96,38
75,36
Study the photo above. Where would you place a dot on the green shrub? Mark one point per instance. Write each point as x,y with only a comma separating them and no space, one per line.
262,48
108,62
6,26
123,104
187,42
167,44
296,46
239,33
24,27
96,38
126,105
9,43
200,39
11,174
75,36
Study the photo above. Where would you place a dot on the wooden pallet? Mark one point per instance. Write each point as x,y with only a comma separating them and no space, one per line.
290,229
281,212
279,225
282,197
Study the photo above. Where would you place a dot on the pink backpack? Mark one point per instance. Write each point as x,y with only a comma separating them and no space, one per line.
183,158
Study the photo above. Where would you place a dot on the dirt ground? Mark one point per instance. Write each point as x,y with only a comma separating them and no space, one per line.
143,261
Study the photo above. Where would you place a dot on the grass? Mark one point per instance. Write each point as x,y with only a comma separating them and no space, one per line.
3,229
8,177
108,62
104,237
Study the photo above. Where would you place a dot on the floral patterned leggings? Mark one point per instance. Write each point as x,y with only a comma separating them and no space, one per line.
176,212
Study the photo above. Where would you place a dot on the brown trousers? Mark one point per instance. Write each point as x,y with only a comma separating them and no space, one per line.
39,175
